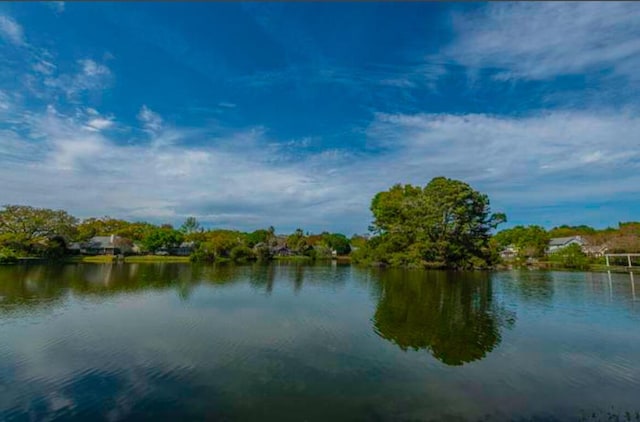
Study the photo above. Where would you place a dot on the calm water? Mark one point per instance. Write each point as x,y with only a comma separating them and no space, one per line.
295,342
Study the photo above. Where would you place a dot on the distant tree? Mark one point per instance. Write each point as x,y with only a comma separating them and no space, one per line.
530,241
566,231
24,227
162,237
241,253
104,226
338,242
217,244
570,257
258,236
629,228
358,241
135,231
263,252
297,242
190,226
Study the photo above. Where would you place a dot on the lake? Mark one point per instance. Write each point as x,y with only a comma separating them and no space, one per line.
316,342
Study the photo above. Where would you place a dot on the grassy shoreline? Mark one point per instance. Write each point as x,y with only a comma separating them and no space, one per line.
108,259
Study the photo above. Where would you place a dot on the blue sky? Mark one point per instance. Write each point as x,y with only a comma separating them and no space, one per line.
296,114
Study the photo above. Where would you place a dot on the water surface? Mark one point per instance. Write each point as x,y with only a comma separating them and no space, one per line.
321,342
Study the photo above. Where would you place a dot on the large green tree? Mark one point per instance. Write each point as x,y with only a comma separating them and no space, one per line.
447,223
27,228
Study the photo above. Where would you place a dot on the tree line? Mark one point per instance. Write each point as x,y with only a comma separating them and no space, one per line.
445,224
42,232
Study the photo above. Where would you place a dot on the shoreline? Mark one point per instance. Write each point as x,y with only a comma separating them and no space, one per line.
151,259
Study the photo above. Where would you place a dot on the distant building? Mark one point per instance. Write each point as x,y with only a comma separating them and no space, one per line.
184,249
595,250
508,253
106,245
558,243
282,251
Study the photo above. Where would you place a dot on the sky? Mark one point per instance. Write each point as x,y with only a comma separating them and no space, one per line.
247,115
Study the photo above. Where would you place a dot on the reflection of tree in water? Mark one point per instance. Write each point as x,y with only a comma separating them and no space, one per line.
453,315
42,286
296,275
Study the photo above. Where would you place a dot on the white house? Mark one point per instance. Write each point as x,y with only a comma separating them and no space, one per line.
595,250
558,243
510,252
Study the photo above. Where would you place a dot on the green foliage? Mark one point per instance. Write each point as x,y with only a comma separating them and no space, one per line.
337,242
162,237
566,231
107,226
321,251
134,231
241,253
7,256
54,248
570,257
298,242
24,228
217,244
444,224
530,241
263,252
358,241
258,236
190,226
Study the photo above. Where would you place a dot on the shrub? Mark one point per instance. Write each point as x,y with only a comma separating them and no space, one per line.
570,257
242,254
7,256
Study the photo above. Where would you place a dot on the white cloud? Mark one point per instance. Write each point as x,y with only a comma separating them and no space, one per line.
150,119
239,181
92,69
541,40
99,123
44,67
541,159
90,76
4,101
56,6
11,30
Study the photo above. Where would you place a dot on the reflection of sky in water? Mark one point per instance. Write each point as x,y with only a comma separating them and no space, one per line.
301,342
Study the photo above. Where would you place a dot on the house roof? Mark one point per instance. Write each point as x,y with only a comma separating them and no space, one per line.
103,241
596,248
559,241
100,241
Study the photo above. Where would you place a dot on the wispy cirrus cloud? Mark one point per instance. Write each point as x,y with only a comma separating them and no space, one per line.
151,121
56,6
88,76
543,40
11,30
